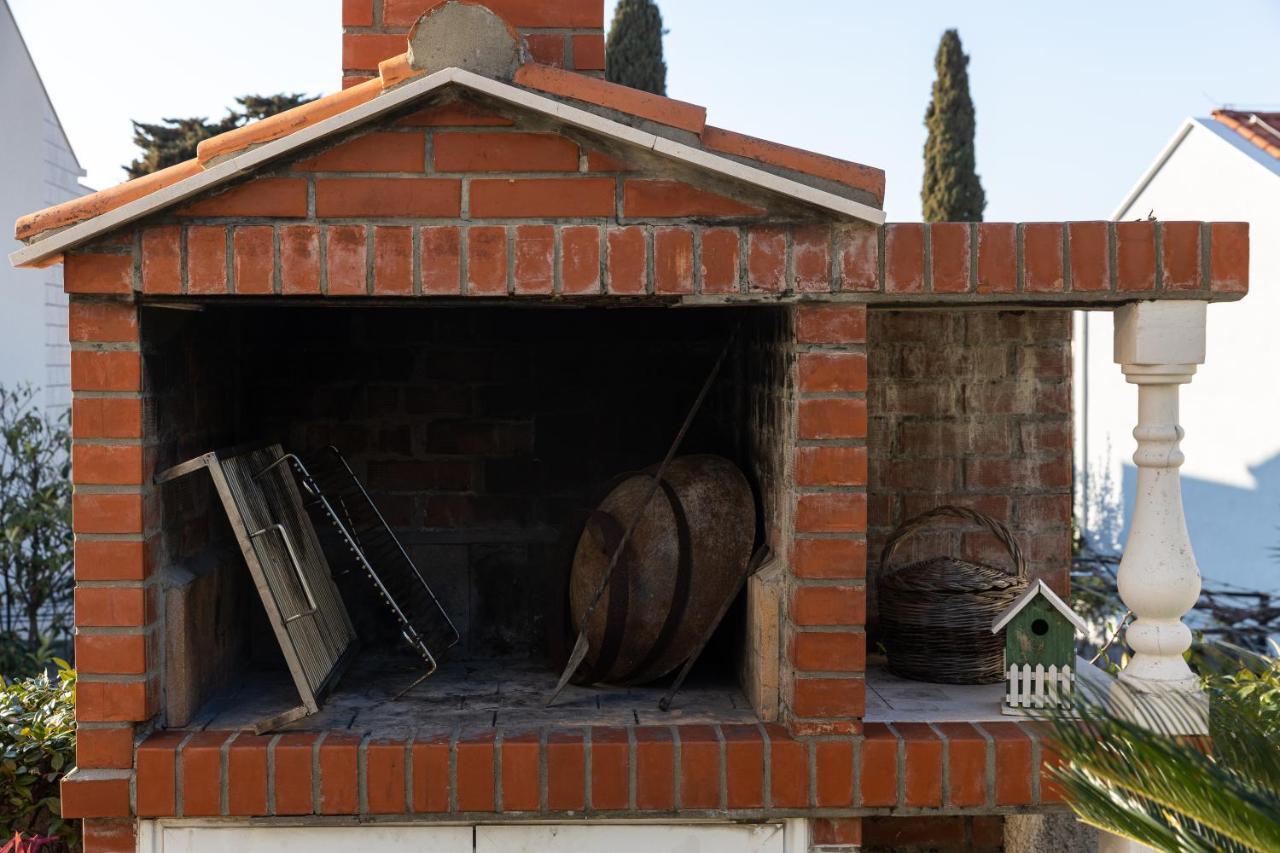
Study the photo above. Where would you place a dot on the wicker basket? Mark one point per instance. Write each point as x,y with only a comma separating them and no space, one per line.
936,614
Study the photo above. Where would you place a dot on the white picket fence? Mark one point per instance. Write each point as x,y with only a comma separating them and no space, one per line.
1037,687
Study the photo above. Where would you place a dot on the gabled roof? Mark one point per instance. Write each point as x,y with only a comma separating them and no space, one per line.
669,128
1037,588
1260,128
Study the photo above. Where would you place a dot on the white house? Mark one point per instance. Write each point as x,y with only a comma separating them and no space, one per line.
37,168
1225,167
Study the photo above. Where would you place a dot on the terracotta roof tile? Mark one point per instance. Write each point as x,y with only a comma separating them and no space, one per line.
231,142
396,70
567,84
89,206
290,121
796,159
1262,129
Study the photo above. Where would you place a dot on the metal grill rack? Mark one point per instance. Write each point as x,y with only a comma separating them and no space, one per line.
334,492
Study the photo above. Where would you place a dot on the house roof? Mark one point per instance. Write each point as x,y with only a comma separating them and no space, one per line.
1037,588
1215,128
1260,128
667,127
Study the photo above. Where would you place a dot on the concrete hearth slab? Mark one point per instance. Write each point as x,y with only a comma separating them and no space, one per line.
506,694
891,699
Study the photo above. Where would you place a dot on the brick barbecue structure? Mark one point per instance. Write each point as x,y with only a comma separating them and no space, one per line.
496,284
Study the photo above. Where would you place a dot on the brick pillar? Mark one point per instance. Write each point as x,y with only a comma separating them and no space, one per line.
826,643
116,635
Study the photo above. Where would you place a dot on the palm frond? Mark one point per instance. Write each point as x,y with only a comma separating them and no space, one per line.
1137,777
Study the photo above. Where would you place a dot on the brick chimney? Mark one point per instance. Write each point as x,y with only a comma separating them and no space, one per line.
565,33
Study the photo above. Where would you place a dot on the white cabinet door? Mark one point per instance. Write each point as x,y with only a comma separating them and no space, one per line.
310,839
157,837
635,838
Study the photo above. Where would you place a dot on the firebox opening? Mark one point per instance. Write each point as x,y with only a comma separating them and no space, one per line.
484,435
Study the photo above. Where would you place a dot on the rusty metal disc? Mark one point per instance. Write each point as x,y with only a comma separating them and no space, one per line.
685,558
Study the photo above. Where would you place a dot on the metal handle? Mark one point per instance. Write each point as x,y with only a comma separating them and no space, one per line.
308,483
297,569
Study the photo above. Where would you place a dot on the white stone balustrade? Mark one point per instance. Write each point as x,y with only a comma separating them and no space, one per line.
1159,345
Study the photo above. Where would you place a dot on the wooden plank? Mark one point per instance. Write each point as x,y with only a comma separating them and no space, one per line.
761,675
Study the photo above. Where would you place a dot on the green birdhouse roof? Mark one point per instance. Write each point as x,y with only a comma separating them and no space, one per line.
1037,588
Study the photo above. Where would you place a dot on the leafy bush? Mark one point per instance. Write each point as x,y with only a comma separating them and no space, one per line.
1258,685
35,524
37,745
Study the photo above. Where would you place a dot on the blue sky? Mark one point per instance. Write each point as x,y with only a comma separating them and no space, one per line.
1074,100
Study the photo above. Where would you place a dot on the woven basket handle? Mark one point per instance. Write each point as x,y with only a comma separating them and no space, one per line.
912,525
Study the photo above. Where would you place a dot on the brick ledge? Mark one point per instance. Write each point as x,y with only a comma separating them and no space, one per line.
724,771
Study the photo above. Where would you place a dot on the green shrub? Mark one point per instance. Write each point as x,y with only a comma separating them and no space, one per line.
37,745
18,661
1251,688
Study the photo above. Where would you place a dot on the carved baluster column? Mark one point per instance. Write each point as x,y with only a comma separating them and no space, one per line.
1159,345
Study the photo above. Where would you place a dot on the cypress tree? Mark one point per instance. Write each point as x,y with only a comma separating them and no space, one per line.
634,53
952,191
174,140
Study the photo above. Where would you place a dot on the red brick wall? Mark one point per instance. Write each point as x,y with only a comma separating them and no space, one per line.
565,33
973,408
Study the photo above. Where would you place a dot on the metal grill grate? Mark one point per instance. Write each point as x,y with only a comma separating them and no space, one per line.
336,493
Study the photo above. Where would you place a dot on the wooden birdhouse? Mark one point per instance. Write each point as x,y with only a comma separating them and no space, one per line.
1039,650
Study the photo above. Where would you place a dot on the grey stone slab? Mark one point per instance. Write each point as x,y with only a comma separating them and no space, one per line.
891,699
472,694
